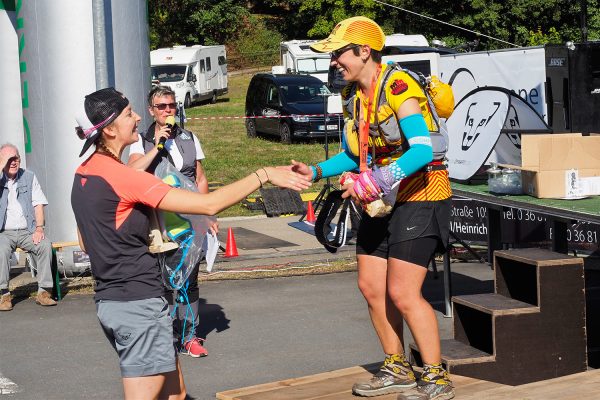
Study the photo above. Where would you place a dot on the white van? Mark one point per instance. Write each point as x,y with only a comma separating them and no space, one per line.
194,73
400,39
298,58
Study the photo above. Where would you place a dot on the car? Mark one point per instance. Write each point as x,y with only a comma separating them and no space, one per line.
291,106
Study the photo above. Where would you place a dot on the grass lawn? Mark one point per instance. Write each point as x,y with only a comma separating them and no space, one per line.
230,154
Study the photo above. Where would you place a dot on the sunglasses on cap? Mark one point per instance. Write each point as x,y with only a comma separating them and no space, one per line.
338,53
163,106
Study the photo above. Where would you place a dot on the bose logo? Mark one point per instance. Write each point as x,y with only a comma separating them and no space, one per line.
556,62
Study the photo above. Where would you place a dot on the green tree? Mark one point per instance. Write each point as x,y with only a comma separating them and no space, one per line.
187,22
507,20
255,45
539,38
327,13
512,21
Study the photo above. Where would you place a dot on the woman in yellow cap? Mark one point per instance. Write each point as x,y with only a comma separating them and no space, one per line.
387,137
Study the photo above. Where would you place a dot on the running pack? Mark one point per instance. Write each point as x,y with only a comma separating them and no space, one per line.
440,100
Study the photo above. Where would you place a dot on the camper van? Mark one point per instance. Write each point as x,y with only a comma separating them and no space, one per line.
195,73
298,58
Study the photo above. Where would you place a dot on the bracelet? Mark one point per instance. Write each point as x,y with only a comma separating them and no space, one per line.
268,179
259,181
318,173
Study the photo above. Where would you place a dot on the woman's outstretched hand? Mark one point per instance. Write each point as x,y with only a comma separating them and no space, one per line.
286,178
302,169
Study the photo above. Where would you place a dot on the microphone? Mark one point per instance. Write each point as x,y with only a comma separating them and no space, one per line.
170,122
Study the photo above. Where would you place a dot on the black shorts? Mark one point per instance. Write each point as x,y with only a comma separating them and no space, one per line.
412,232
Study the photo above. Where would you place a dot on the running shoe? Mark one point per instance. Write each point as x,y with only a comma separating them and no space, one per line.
394,376
194,348
434,384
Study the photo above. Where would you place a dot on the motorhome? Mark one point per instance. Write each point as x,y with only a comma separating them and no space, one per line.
195,73
298,58
414,52
400,39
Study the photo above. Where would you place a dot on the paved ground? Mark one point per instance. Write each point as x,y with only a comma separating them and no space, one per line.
305,247
257,330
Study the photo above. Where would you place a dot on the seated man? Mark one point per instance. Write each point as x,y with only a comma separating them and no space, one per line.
22,225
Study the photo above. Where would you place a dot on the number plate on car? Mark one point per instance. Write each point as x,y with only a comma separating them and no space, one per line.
329,127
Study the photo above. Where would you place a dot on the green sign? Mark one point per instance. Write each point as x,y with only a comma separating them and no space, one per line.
8,5
23,69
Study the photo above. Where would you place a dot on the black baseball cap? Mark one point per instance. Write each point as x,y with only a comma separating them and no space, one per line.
101,108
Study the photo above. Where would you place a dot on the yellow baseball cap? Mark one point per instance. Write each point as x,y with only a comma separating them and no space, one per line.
355,30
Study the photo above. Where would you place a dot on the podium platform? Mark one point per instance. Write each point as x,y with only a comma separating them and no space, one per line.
336,385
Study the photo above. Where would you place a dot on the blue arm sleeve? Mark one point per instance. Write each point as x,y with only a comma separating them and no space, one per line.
337,164
420,152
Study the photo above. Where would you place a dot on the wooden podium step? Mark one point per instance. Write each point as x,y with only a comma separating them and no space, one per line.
537,257
530,329
495,304
455,353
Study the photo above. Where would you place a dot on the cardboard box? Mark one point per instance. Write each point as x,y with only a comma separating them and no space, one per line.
560,165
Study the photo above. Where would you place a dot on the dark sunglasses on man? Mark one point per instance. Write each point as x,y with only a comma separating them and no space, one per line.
163,106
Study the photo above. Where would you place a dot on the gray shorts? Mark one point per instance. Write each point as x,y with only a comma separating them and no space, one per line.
141,332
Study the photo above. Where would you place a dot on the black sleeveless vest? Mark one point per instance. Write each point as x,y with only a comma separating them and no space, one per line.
184,140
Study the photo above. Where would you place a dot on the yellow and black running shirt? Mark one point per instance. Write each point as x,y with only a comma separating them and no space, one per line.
388,141
398,88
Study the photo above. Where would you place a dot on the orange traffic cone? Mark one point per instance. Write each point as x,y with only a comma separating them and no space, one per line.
310,213
230,247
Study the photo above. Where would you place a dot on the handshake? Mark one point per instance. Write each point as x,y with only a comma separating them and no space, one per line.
369,193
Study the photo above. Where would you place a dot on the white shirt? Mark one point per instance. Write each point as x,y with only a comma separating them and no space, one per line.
171,146
15,219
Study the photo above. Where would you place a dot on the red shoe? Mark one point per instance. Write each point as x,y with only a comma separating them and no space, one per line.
194,348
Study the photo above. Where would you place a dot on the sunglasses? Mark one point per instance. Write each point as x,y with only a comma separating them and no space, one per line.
163,106
338,53
14,159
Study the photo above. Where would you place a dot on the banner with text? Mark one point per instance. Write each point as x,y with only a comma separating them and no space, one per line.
520,228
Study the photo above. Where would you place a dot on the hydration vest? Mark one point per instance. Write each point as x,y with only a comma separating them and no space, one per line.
385,129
